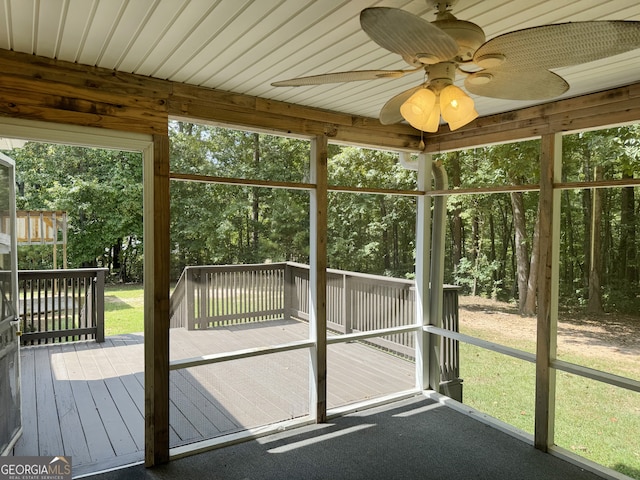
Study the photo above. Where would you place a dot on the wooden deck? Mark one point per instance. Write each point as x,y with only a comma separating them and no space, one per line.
86,399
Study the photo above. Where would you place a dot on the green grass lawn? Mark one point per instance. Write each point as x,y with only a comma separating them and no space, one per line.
123,309
596,421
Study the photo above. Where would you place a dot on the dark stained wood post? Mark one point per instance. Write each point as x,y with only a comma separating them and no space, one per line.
318,277
99,304
156,293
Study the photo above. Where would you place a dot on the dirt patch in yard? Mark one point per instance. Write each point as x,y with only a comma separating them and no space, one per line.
615,337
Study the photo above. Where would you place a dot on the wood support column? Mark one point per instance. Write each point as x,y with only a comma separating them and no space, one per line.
549,211
318,277
156,291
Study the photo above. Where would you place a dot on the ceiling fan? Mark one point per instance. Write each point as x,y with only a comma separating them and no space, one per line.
513,66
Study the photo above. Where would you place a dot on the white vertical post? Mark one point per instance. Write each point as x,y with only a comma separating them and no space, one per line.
423,263
318,279
438,226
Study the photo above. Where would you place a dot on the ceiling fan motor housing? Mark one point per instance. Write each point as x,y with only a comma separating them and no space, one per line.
467,35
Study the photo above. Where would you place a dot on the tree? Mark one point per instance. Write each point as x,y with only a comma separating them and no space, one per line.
101,191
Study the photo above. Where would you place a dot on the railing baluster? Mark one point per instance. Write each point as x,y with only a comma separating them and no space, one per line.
52,298
239,294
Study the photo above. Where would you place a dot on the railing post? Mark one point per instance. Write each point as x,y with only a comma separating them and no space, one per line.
346,303
451,383
203,295
190,298
99,305
289,289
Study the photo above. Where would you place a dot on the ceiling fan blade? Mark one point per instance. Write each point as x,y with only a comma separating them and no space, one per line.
340,77
516,85
390,112
559,45
407,35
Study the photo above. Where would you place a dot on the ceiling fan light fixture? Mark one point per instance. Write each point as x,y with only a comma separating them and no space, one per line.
457,107
471,116
418,107
433,122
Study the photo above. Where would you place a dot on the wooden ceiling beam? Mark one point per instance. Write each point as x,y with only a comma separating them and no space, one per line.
40,88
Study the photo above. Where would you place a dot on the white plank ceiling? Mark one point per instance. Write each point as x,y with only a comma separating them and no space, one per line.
243,45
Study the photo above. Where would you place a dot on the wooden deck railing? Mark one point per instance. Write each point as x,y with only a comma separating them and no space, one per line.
61,305
222,295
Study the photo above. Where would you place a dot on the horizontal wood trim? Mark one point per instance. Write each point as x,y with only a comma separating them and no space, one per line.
364,133
187,177
132,101
243,110
619,183
375,191
70,117
85,76
80,109
484,190
615,183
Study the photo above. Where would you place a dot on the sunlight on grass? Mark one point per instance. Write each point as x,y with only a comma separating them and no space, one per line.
123,309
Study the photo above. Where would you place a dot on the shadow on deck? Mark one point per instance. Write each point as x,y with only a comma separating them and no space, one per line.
409,439
86,399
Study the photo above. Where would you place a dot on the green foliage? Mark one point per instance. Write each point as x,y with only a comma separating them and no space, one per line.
370,233
226,224
101,191
479,277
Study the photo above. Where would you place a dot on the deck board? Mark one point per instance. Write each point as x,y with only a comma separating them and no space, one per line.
70,422
28,442
49,434
94,432
87,398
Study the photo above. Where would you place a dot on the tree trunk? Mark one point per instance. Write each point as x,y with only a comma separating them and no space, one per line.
522,251
532,282
586,207
627,250
396,246
595,271
454,178
475,233
492,255
385,233
570,251
117,249
256,196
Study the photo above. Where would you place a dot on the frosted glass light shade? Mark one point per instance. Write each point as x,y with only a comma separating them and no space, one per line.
433,122
457,107
418,108
472,115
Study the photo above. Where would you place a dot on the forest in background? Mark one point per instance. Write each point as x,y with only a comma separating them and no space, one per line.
490,237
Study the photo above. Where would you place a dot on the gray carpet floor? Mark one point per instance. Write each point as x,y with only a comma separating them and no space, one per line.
411,439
